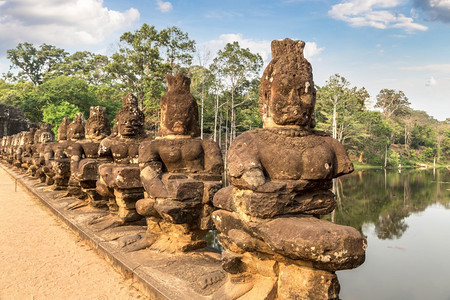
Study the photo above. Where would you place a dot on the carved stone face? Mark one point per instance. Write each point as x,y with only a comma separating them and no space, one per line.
179,110
97,126
129,119
287,95
96,131
30,136
16,139
46,137
292,101
75,130
130,124
22,138
62,129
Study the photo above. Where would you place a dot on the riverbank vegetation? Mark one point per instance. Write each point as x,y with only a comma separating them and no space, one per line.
48,83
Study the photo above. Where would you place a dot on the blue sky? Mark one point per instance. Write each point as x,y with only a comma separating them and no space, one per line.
376,44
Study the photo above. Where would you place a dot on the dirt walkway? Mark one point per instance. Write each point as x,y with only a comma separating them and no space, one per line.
40,258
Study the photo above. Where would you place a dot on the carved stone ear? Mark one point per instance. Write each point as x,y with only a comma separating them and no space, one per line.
170,81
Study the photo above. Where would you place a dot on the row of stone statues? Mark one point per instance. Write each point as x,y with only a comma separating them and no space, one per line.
275,244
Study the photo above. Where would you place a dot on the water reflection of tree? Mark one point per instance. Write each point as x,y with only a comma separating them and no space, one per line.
385,199
391,225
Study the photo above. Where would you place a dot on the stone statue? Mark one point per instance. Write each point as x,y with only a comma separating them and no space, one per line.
63,151
27,150
40,159
119,182
3,148
281,176
19,149
180,174
55,150
85,159
13,151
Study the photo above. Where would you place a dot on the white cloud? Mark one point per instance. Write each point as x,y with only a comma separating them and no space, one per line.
64,23
262,47
374,13
164,6
311,50
431,81
436,10
443,4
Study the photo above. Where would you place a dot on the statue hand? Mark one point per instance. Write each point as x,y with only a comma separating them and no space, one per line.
254,178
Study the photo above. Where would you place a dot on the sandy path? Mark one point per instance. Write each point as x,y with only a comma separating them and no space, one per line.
41,258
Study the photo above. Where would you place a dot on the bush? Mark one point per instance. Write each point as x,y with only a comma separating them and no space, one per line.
54,113
427,154
393,159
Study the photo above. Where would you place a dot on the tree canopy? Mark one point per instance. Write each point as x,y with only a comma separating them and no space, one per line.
34,63
47,82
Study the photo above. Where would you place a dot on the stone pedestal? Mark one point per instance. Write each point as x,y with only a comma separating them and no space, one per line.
123,186
179,221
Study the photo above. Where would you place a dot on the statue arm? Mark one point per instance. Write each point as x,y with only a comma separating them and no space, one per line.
343,164
213,157
245,168
48,154
76,156
151,167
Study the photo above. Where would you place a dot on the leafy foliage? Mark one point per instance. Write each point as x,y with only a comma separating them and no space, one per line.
392,103
50,82
34,63
54,113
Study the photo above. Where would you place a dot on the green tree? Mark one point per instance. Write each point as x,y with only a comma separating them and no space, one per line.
179,48
138,65
235,66
109,96
24,95
443,139
34,63
82,64
54,113
337,103
200,85
372,138
70,89
392,103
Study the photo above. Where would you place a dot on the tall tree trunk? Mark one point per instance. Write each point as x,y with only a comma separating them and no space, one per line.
225,161
406,140
341,132
334,117
216,111
203,105
385,157
226,131
233,117
220,130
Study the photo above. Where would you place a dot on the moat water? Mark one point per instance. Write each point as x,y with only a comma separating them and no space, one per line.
405,216
406,219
